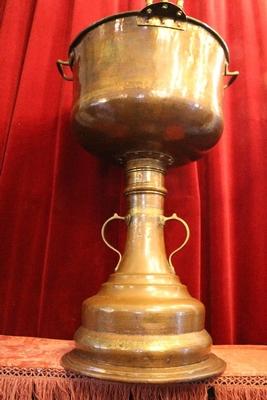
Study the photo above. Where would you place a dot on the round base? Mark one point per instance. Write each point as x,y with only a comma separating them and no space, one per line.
76,361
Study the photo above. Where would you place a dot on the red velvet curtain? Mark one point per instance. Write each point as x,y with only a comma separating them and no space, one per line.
55,196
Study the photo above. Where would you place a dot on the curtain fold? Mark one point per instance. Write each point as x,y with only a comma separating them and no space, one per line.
54,196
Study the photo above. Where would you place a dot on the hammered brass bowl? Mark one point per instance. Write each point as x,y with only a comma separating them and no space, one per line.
148,80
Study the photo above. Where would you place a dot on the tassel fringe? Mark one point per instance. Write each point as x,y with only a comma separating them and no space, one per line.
242,392
23,388
44,388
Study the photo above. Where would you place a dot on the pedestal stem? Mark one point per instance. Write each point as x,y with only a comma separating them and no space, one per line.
143,325
145,248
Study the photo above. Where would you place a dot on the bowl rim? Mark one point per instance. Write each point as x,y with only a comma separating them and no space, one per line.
127,14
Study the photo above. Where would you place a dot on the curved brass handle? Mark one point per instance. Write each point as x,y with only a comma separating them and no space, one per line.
233,76
187,236
115,216
68,63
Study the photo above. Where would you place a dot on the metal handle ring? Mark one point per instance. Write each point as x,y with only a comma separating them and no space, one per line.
187,236
115,216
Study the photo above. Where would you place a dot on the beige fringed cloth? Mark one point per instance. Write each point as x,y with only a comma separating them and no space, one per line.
30,369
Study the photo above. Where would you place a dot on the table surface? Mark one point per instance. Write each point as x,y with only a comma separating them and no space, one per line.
29,352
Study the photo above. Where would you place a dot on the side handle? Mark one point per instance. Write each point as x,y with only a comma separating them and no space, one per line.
115,216
187,234
61,67
233,75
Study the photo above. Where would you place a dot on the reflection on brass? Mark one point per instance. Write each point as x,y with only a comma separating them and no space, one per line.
148,90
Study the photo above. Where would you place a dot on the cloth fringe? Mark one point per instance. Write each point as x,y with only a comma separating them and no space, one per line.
15,389
169,392
36,388
240,392
29,388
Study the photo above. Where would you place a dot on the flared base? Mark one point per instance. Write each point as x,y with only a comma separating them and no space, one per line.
143,325
77,360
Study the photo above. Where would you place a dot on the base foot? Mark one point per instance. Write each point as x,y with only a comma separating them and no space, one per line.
78,362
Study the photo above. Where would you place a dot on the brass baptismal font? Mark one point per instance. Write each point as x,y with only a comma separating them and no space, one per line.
148,89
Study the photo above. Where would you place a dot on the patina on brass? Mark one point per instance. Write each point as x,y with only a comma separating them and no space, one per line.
148,90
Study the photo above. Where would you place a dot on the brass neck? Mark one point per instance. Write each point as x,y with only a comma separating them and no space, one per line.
145,249
145,175
145,186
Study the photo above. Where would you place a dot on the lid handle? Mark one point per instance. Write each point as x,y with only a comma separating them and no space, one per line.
163,14
180,3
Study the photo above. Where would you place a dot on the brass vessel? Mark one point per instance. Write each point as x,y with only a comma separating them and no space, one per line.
148,90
